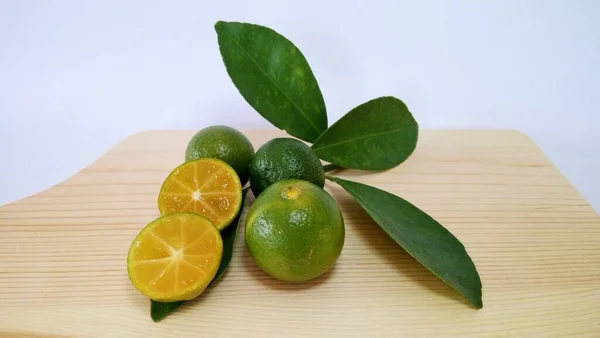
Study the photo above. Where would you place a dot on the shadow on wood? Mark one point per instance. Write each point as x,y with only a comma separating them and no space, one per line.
382,244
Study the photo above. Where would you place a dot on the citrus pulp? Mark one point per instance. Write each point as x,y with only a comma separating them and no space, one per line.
208,186
175,257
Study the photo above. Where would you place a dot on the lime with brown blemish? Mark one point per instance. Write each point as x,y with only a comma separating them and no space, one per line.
295,230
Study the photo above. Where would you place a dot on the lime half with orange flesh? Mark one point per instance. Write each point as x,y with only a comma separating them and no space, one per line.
208,187
175,257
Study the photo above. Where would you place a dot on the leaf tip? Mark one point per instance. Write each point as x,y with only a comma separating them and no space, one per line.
156,317
475,298
219,24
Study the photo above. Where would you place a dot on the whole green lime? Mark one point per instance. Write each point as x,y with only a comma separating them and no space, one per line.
224,143
295,231
284,158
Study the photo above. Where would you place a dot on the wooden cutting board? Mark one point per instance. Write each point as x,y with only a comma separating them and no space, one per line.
534,239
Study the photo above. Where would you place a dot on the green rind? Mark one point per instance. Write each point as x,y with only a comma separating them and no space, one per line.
376,135
295,240
159,310
421,236
284,158
273,76
224,143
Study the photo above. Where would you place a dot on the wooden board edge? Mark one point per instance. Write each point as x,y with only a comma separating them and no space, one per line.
141,134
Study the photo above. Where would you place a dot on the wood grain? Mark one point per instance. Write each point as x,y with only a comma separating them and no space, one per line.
533,237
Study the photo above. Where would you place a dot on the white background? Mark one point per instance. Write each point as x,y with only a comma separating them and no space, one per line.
76,77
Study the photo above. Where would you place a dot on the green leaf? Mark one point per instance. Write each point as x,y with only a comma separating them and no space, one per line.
421,236
229,235
273,77
377,135
159,310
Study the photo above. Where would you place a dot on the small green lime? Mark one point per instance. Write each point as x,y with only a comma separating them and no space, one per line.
295,231
284,158
224,143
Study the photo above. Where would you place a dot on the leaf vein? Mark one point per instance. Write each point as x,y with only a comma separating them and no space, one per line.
374,213
355,139
274,83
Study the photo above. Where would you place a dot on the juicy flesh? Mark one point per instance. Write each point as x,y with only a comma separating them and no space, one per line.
206,188
176,256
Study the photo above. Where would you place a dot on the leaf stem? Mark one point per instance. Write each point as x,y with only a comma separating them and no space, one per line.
331,167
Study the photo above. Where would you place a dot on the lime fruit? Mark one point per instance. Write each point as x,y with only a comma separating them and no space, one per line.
175,257
294,231
284,158
224,143
208,187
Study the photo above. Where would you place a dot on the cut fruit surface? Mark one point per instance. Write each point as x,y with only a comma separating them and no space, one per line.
208,186
175,257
